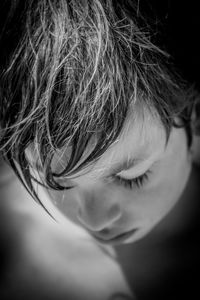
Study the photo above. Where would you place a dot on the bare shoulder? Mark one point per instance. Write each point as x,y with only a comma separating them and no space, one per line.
43,261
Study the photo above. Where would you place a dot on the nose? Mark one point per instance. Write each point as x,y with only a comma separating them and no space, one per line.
96,211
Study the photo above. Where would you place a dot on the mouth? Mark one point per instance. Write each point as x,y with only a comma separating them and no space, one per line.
117,239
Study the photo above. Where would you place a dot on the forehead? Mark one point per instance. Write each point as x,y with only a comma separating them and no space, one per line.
142,138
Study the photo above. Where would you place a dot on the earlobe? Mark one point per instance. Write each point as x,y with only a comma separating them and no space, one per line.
195,148
196,118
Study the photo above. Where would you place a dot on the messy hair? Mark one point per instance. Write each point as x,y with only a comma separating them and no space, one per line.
73,70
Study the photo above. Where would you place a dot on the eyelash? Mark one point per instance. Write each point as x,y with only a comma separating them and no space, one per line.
131,183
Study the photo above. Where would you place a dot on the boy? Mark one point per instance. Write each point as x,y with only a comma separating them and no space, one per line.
93,121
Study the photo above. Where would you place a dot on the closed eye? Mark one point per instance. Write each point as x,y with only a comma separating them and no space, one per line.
134,182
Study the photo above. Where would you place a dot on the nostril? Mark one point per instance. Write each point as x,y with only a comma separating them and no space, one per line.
104,231
114,212
100,218
79,213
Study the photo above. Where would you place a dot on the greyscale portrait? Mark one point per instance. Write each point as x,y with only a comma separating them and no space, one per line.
99,149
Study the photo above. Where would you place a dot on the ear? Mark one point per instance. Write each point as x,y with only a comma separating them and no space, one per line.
195,148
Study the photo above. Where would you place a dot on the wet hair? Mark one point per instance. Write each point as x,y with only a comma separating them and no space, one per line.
71,70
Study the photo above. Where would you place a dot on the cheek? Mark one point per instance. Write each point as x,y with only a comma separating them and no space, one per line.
173,174
152,203
167,189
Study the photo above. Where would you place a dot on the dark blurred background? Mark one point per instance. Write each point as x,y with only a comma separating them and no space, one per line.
177,24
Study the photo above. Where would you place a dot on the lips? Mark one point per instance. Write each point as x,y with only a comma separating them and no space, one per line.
116,239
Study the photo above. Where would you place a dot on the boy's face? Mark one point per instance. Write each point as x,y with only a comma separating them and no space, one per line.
115,209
